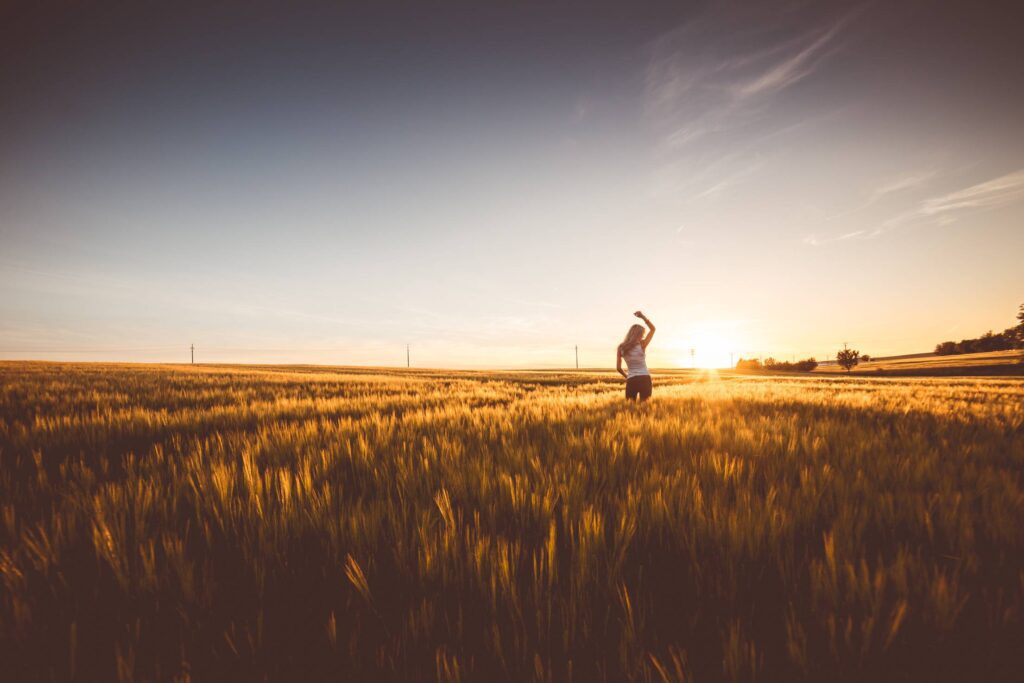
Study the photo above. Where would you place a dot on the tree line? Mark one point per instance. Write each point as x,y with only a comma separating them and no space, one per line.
847,358
806,365
1008,339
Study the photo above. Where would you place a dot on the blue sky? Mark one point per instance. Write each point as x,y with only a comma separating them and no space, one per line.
495,186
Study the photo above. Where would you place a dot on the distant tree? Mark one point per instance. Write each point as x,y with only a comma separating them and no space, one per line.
946,348
848,358
865,358
1019,330
989,342
786,366
807,365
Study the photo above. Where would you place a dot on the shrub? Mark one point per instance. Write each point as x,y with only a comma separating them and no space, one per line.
848,358
806,365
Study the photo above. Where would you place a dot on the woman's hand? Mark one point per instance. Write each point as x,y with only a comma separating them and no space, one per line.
650,329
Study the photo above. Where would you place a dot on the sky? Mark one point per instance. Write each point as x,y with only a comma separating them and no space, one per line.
497,184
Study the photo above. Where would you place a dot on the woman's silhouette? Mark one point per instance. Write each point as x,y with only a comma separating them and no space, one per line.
634,349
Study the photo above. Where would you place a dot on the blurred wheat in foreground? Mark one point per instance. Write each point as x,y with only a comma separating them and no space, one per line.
234,523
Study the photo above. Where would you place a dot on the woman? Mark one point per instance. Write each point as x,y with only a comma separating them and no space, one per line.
633,348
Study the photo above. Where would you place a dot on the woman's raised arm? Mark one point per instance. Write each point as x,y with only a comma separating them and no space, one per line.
650,329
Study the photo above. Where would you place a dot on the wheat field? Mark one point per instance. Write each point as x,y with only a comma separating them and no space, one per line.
229,523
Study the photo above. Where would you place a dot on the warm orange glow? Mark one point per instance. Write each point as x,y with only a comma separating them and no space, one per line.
707,347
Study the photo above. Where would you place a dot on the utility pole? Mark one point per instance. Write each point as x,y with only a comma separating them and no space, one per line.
693,358
577,356
731,363
408,363
193,350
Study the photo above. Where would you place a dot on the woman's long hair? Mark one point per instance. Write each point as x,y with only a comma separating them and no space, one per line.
633,337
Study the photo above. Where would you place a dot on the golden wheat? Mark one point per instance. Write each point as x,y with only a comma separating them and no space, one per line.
248,523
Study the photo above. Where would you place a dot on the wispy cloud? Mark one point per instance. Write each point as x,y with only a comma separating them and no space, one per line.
942,209
792,68
729,179
816,241
715,89
897,186
483,328
720,70
533,303
1000,191
907,181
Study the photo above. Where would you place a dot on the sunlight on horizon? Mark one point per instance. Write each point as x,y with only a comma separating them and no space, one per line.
708,346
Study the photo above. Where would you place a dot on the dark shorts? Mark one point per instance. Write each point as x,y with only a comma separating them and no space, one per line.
639,386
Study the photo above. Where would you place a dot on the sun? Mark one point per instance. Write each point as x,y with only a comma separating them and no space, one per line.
708,348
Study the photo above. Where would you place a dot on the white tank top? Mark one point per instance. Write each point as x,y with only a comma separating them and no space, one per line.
636,361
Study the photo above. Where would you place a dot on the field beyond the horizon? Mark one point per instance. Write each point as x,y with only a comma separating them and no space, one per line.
218,523
990,363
